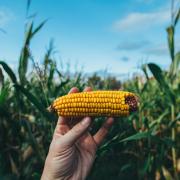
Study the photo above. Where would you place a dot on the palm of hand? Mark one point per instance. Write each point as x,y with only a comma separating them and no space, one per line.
72,162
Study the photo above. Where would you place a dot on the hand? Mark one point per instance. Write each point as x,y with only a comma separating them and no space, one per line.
73,148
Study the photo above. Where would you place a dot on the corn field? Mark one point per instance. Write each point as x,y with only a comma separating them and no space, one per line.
146,145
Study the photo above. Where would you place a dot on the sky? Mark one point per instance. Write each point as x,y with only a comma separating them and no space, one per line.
91,35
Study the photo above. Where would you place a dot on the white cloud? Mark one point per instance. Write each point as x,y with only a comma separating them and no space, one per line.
139,20
5,16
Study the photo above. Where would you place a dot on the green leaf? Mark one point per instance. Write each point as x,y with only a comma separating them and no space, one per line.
168,142
47,57
9,71
25,53
9,177
144,69
38,28
125,167
28,6
36,176
137,136
33,141
33,100
157,72
3,95
159,119
1,78
59,87
177,18
173,123
59,74
170,31
158,75
146,165
178,117
51,74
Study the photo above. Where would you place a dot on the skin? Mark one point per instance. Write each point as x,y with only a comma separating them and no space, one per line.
73,148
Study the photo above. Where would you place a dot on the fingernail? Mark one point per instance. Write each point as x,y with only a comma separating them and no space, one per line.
73,89
87,88
86,121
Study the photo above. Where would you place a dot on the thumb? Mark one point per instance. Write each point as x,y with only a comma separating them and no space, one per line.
77,131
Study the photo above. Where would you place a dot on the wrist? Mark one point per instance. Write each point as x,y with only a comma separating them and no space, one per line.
46,175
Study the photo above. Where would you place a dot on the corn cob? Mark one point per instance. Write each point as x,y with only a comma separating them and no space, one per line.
95,103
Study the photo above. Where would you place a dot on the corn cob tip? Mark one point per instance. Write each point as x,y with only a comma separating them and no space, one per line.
132,101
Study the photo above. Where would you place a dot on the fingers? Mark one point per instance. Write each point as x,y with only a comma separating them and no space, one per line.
62,121
102,132
77,131
87,89
61,127
73,90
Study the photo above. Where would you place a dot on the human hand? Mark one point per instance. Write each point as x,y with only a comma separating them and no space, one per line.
73,148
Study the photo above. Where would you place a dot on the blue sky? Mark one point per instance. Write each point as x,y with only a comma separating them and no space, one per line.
91,34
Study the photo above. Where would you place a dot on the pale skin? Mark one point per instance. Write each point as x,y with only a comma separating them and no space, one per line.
73,149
